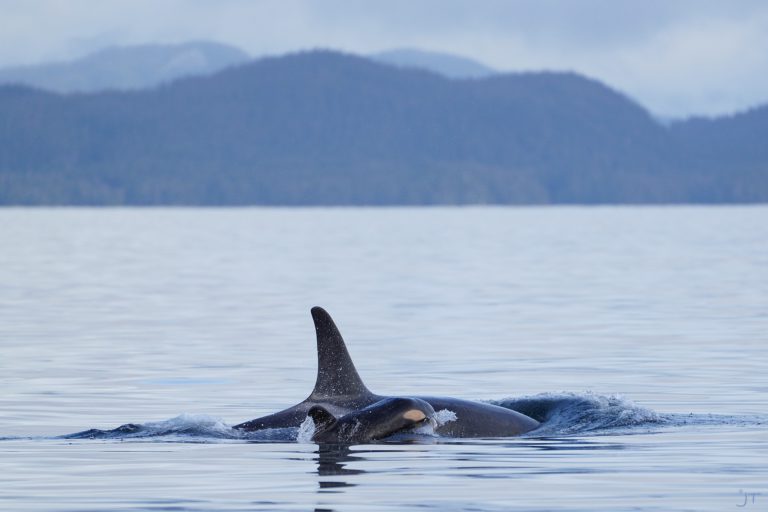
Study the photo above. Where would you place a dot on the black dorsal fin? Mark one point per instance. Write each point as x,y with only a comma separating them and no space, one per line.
336,373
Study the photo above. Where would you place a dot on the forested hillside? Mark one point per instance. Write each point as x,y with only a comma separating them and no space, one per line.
328,128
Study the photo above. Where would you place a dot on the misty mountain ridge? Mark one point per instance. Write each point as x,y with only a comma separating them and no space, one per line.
146,66
446,64
149,65
127,67
317,128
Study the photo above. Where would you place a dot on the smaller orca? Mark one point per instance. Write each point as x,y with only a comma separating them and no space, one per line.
340,392
376,421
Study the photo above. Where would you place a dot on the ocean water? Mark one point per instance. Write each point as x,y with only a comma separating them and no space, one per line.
638,335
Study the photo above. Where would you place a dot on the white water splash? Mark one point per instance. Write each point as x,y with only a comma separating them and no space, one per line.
191,422
566,412
306,431
444,416
425,429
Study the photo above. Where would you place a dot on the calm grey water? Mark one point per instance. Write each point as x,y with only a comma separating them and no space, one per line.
641,333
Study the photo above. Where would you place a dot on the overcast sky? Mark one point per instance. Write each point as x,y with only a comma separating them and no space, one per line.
676,57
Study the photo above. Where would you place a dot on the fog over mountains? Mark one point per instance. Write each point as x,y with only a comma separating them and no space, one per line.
130,67
149,65
325,128
450,66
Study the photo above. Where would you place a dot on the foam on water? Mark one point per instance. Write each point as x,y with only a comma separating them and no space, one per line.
186,428
569,413
444,416
306,431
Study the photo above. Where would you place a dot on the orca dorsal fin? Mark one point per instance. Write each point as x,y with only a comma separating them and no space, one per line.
336,373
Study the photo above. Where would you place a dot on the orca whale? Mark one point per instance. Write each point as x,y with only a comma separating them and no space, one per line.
339,395
377,421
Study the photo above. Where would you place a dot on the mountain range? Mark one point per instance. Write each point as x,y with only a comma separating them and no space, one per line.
326,128
149,65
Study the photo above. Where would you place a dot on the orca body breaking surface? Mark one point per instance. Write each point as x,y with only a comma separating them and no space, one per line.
377,421
340,392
